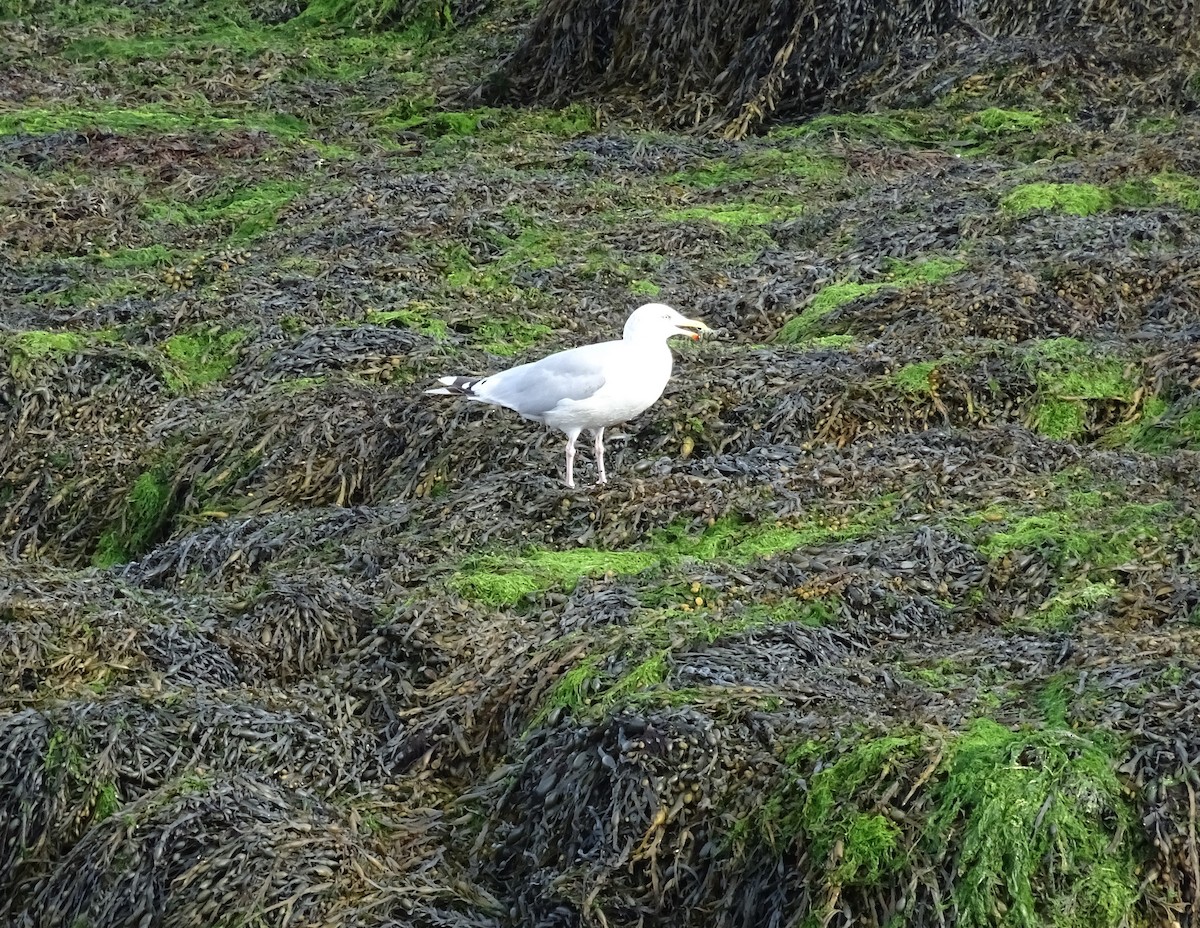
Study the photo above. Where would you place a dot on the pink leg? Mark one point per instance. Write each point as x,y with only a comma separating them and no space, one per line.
571,436
600,456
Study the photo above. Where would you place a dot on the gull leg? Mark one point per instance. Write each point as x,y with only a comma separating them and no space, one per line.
571,436
600,456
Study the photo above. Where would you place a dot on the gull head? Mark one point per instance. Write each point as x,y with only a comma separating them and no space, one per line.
659,321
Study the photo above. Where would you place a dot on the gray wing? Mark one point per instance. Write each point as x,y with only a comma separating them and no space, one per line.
534,389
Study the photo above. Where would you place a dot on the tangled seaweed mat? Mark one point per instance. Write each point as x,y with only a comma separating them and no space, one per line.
743,64
889,615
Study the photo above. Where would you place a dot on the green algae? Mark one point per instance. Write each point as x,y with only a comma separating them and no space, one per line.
1167,188
644,647
150,117
1077,199
1061,611
504,581
928,270
735,541
88,293
1069,375
736,215
769,164
807,324
1058,418
1072,368
776,164
644,287
974,132
896,126
711,174
1041,826
489,124
508,335
149,507
414,317
831,811
826,807
1174,188
824,342
421,114
40,344
410,23
573,690
567,122
1162,428
802,328
995,121
1035,819
1084,531
140,258
916,378
106,802
246,213
646,675
194,360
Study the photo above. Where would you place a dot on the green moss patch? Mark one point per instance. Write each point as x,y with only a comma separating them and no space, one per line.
1060,611
140,258
824,342
1086,531
149,507
736,215
1178,189
38,344
1162,428
505,581
1041,826
829,809
147,118
413,22
1069,374
630,664
246,213
916,378
807,325
995,121
532,248
1077,199
766,164
928,270
194,360
567,122
896,126
738,542
496,125
509,335
414,317
422,114
712,174
972,132
1035,820
784,163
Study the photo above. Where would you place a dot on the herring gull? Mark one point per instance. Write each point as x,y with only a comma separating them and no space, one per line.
590,387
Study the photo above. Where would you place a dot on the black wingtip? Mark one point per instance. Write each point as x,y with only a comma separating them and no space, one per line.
456,386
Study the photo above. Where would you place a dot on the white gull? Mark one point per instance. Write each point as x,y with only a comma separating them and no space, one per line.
589,387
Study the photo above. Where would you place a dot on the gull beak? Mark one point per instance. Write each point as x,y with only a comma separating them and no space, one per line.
692,328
